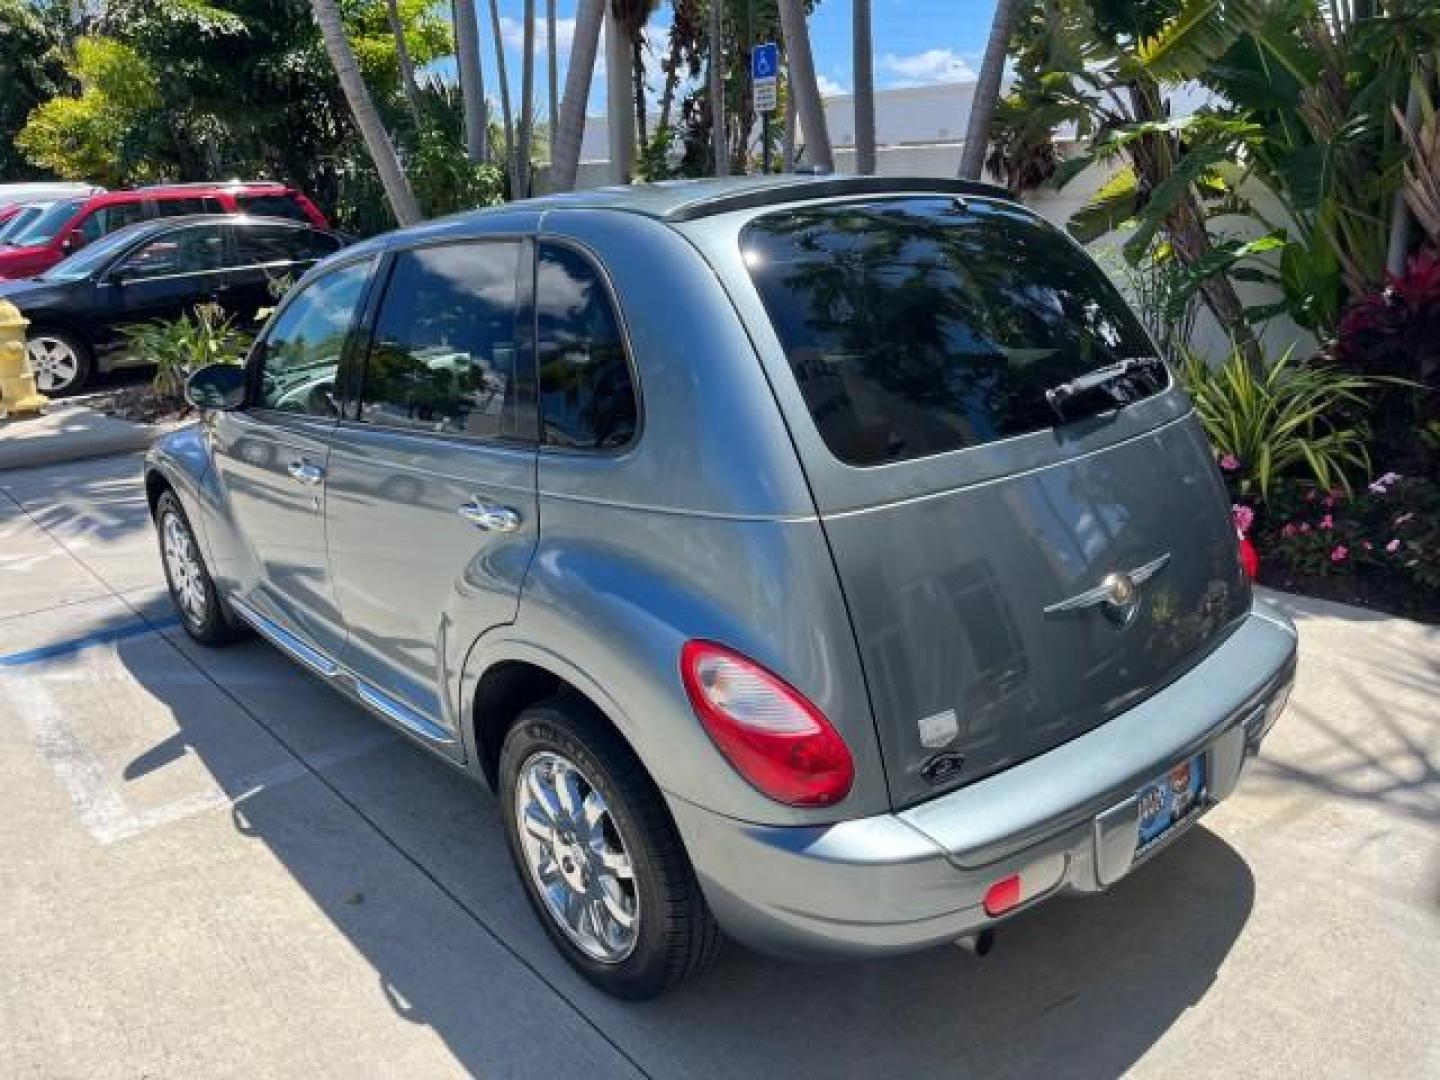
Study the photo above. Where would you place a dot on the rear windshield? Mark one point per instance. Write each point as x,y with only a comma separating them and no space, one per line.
915,326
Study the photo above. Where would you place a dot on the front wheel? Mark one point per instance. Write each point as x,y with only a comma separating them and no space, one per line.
62,363
598,854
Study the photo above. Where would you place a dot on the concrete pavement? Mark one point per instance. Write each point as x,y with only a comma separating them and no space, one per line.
210,865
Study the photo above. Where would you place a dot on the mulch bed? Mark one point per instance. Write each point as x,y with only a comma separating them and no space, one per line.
140,404
1392,595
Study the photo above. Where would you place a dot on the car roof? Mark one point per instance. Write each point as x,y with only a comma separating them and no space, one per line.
167,191
686,200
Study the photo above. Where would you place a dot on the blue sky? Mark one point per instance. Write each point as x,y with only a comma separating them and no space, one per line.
916,42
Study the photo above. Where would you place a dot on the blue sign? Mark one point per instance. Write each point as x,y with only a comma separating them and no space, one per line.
765,61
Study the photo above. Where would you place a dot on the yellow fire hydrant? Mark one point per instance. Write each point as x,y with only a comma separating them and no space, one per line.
17,382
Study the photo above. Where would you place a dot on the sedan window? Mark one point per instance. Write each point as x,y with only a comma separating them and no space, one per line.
448,341
301,353
48,225
267,245
185,251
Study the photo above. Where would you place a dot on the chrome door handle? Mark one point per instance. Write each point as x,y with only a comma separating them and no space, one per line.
306,473
492,517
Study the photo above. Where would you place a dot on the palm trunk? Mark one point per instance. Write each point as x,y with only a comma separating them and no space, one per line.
472,80
864,59
803,85
987,91
552,71
362,108
565,156
527,104
672,83
619,102
1399,211
506,115
402,57
638,70
718,142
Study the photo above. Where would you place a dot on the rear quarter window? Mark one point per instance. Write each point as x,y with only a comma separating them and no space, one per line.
920,325
281,206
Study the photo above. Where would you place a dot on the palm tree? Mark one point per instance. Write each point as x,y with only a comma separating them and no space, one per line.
570,125
719,145
527,104
803,85
506,116
553,72
402,57
987,91
619,101
864,63
362,108
472,80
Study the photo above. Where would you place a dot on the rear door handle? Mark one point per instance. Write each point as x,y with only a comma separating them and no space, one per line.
306,473
492,517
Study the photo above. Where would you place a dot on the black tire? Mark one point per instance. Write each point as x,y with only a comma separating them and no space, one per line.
215,625
78,347
677,936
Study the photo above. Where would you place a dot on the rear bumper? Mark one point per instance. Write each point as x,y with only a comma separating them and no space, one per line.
1064,821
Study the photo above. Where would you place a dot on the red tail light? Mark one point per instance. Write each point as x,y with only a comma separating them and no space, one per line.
774,737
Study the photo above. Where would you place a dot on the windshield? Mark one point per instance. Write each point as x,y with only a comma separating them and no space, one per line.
48,225
919,325
92,257
23,217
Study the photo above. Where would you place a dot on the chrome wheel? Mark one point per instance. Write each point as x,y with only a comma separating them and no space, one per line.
577,858
187,577
55,363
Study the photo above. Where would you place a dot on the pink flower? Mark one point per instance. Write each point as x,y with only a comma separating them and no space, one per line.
1304,526
1229,463
1340,554
1382,484
1327,522
1243,516
1393,546
1289,529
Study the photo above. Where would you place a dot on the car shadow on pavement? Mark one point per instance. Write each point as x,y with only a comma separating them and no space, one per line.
407,859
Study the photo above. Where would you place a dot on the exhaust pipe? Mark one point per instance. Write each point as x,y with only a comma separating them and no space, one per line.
979,944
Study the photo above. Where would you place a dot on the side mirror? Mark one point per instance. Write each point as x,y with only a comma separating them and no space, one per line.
220,387
73,242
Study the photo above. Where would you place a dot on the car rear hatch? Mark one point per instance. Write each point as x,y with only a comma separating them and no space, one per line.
1015,575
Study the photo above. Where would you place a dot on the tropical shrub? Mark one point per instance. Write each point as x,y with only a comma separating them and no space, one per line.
179,346
1282,419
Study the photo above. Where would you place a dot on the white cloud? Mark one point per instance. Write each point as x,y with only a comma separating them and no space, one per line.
513,31
930,66
829,87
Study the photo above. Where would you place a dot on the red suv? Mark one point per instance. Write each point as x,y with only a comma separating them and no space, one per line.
68,225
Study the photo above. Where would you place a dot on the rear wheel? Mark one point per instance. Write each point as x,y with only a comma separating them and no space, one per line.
192,590
599,855
62,363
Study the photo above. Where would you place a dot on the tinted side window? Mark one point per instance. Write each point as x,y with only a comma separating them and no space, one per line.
259,245
448,343
302,351
586,397
283,206
109,218
181,207
184,251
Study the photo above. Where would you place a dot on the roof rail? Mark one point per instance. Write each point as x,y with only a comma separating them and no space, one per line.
198,184
819,187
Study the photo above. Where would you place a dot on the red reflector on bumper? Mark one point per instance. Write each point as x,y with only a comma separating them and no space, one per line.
1003,895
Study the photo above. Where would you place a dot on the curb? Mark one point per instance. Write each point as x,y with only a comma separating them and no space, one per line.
71,432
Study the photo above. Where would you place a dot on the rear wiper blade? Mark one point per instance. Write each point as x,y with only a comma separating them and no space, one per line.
1106,387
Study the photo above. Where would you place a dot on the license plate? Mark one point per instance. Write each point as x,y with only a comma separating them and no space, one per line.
1170,799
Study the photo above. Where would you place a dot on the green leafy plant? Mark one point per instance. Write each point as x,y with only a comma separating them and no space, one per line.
1283,418
179,346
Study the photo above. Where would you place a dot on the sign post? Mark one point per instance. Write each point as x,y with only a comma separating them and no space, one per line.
765,84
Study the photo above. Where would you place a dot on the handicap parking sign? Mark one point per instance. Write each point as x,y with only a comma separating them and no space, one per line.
765,61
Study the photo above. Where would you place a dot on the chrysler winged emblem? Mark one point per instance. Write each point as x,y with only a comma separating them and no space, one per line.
1118,594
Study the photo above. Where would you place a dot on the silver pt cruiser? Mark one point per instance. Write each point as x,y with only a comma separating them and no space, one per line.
830,562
